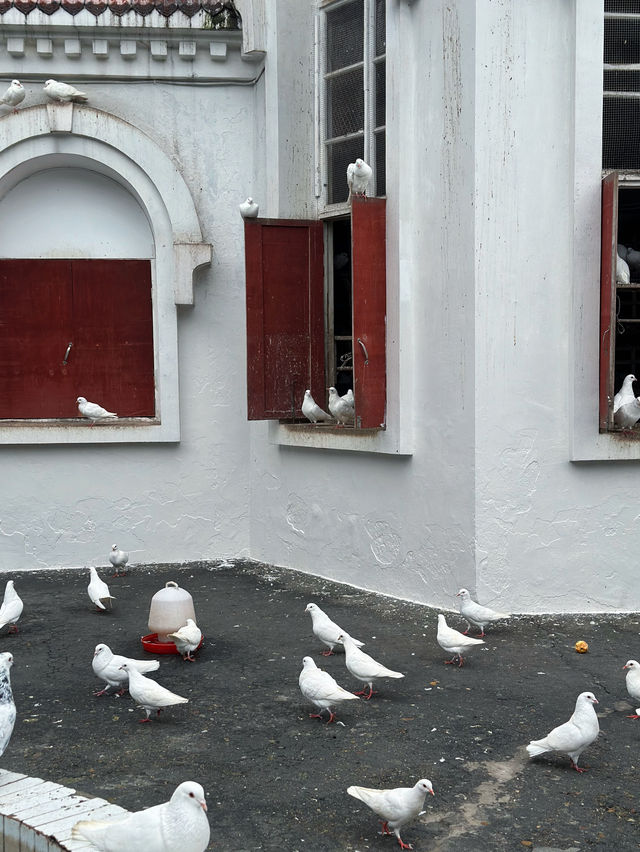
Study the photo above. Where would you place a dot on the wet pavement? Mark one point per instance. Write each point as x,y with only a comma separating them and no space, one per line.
276,779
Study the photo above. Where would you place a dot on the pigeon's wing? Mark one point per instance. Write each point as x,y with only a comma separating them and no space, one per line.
7,721
149,693
380,801
318,684
138,832
566,737
484,614
10,611
363,665
350,174
92,409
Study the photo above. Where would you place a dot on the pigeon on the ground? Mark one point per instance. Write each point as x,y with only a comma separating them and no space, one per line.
325,630
108,667
249,209
363,667
187,639
312,410
7,706
93,411
98,590
321,689
63,92
575,735
358,177
625,394
397,806
149,694
475,613
179,825
628,414
14,95
623,273
454,642
11,608
633,683
118,558
340,408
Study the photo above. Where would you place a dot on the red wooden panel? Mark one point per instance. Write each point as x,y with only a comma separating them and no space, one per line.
368,251
112,358
607,297
285,316
35,329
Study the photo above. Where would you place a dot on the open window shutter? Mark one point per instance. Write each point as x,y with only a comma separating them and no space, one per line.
368,238
285,316
607,297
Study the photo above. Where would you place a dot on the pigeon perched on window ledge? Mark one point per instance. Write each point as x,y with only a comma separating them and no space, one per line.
358,177
312,410
625,394
628,414
340,408
249,209
575,735
14,95
93,411
64,93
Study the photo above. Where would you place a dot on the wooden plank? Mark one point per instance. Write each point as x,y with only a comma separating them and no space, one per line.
368,263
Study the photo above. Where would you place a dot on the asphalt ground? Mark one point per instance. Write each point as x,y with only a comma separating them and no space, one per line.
275,778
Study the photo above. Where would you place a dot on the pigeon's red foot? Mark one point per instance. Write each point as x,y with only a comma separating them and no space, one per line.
577,768
101,692
404,845
385,828
327,653
481,634
464,632
633,716
189,657
364,693
144,720
14,629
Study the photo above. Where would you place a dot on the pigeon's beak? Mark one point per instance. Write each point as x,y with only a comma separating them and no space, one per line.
595,701
432,793
203,805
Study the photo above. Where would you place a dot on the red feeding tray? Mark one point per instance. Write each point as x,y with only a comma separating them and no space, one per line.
150,643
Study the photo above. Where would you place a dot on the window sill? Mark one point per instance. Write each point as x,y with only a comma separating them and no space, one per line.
80,431
330,437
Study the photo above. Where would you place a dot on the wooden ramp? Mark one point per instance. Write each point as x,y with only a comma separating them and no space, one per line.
38,815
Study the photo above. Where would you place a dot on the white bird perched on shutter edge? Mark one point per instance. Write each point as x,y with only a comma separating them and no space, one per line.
358,177
625,394
249,209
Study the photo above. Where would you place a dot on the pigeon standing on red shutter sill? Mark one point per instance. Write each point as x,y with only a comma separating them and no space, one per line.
118,558
358,177
397,806
575,735
14,95
179,825
454,642
633,683
249,209
625,394
11,608
93,411
64,93
312,410
633,259
98,590
340,408
475,613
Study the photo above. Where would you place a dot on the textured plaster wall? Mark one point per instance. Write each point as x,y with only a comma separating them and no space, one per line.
65,505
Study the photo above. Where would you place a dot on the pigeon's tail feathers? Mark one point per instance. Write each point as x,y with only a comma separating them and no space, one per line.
358,643
99,604
144,666
92,830
537,747
365,794
389,673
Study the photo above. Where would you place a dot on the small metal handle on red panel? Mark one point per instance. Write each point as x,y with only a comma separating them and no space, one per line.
66,354
366,354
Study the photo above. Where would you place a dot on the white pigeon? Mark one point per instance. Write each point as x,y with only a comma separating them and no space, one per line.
11,608
363,667
312,410
397,806
93,411
358,177
454,642
249,209
63,92
118,558
475,613
633,259
625,394
179,825
575,735
628,414
14,95
325,630
7,706
633,683
98,590
340,408
108,667
149,694
623,273
187,639
349,399
321,689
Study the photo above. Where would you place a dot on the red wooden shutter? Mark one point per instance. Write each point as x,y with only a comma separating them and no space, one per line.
103,308
368,238
285,316
35,329
607,297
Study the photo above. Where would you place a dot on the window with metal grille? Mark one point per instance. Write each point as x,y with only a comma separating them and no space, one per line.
353,98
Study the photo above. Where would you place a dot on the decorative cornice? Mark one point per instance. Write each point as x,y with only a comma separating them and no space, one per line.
221,14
